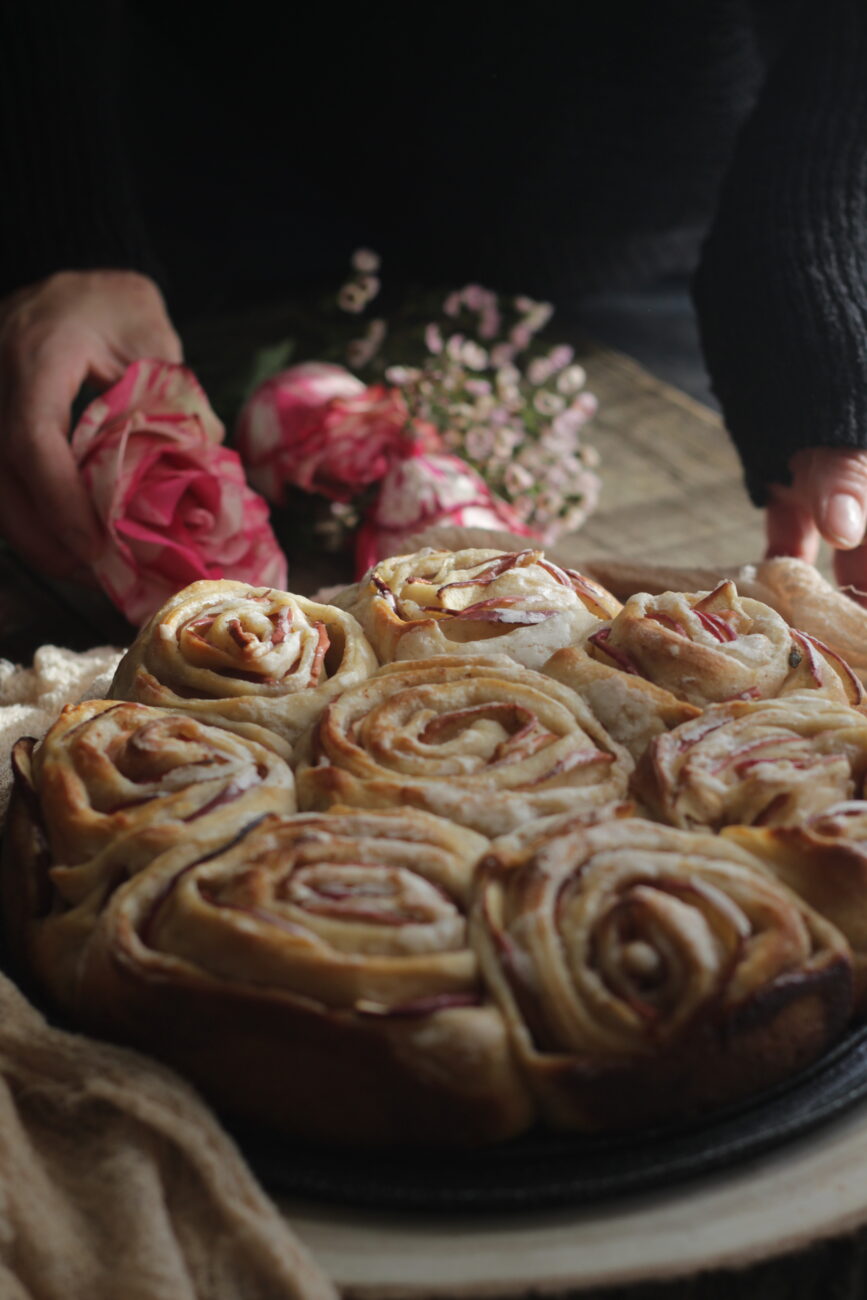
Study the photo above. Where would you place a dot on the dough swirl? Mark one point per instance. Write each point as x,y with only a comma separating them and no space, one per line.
112,786
756,762
712,647
476,602
345,935
481,741
646,973
258,661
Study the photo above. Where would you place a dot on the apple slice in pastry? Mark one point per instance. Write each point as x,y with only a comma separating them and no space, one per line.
755,762
316,975
648,974
476,602
261,662
483,742
712,647
111,786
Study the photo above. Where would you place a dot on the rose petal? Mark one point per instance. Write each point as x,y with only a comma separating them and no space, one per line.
423,491
174,504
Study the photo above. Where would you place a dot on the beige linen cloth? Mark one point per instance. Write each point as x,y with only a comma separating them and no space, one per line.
116,1181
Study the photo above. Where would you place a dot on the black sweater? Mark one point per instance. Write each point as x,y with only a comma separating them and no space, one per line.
596,145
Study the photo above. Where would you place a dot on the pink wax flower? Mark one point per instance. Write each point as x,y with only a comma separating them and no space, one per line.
174,504
317,427
426,490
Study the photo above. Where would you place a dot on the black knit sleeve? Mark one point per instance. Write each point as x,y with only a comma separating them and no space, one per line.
67,200
781,291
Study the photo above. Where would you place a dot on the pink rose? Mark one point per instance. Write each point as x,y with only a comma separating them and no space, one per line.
317,427
425,491
173,502
276,428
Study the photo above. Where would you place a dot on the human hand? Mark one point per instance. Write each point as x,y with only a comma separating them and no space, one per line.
827,498
72,328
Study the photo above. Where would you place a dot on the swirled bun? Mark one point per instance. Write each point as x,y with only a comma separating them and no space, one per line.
258,661
482,741
648,974
472,850
476,602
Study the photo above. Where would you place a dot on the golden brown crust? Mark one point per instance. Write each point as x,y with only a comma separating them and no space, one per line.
318,971
824,862
481,741
109,771
710,647
258,661
630,709
112,786
25,886
763,762
309,992
476,602
647,973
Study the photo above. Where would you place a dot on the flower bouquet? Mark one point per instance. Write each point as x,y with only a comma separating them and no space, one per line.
476,424
454,412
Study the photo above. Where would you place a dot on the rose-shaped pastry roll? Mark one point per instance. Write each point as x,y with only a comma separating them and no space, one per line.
110,787
710,647
648,973
630,709
316,975
483,742
756,762
475,602
825,862
261,662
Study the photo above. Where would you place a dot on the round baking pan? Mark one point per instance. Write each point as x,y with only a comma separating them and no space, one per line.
550,1169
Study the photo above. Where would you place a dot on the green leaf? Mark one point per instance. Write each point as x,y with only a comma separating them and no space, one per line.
234,386
268,362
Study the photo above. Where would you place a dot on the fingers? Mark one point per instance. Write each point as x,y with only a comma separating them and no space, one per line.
46,464
832,483
27,534
147,331
850,570
35,420
827,499
790,527
72,327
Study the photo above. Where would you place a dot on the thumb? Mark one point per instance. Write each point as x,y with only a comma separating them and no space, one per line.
832,482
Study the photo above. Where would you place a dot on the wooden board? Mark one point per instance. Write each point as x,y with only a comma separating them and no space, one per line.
813,1189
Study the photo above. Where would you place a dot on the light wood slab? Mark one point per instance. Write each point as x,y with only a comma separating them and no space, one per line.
809,1190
